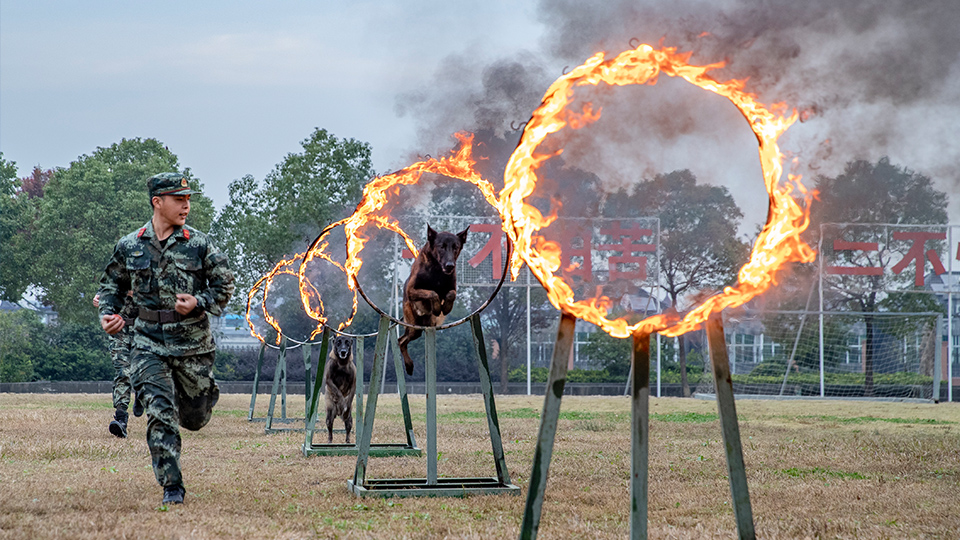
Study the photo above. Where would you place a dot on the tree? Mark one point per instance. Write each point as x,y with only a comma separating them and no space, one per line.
304,193
85,209
11,220
699,248
21,341
867,193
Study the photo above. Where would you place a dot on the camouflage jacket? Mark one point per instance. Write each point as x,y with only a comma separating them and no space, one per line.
189,264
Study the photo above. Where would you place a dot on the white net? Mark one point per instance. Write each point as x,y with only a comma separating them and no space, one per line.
832,354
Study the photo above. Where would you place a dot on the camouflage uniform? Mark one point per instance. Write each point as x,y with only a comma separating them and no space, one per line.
172,361
121,345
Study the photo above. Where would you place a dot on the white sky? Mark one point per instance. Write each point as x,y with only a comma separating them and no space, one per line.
230,87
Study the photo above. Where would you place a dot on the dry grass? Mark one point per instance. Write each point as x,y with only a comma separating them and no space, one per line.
816,470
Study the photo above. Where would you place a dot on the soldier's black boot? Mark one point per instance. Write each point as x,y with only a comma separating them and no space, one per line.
137,406
173,494
118,426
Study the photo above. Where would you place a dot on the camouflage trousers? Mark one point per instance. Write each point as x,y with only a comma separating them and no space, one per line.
120,348
175,391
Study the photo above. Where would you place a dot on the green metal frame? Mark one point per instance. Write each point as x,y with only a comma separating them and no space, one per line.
409,448
432,486
639,431
279,388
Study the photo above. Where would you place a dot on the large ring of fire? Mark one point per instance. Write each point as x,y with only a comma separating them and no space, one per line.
778,243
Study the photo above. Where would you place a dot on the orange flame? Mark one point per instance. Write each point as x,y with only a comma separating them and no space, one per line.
778,243
459,165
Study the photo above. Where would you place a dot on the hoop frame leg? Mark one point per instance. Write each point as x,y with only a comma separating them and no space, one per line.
313,403
731,431
486,386
548,427
279,372
256,382
639,435
432,485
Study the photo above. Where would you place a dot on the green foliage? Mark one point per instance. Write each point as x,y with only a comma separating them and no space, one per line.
225,365
305,192
699,247
57,352
613,354
76,352
86,208
21,341
15,216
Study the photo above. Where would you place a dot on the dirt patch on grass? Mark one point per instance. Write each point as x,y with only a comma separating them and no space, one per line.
817,469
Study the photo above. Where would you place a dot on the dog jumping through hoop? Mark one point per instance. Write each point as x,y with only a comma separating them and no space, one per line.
340,385
431,289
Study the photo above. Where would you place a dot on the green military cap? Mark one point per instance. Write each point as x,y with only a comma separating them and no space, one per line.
168,183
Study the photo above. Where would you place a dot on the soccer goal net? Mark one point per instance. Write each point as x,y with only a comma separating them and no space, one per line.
832,354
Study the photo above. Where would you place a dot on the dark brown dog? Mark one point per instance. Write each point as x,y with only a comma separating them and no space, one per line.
429,292
340,384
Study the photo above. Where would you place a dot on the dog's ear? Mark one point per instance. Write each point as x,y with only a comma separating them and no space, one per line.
431,235
462,235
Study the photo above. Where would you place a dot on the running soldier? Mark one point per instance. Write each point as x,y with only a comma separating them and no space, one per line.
177,277
121,345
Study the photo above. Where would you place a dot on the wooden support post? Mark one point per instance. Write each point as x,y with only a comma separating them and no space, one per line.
398,370
493,423
430,347
358,408
256,381
731,430
278,372
313,404
363,451
307,365
548,427
639,435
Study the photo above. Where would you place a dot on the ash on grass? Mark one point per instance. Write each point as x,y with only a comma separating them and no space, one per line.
816,470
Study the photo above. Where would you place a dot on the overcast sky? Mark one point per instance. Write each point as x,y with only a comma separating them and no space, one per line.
231,87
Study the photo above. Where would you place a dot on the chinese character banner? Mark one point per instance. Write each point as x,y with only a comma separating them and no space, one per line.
890,257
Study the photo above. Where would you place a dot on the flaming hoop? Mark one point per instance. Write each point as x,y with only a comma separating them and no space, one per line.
459,165
778,243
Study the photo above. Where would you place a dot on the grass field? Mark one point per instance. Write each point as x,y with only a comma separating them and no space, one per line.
816,469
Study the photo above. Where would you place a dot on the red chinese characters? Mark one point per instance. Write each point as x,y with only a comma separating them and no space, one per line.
916,253
627,241
493,247
842,245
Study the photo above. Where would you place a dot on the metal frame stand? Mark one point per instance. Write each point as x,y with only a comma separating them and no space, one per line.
350,449
279,388
432,486
640,430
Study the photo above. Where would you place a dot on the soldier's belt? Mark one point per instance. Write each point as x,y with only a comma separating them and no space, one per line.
128,321
167,315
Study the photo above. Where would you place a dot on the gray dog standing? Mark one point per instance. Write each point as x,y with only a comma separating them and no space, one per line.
340,385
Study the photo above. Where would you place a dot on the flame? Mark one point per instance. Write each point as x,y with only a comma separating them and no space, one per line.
458,165
265,282
778,243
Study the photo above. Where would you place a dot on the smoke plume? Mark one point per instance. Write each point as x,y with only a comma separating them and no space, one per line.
871,78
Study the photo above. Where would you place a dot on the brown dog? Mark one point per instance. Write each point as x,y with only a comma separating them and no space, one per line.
429,292
340,384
